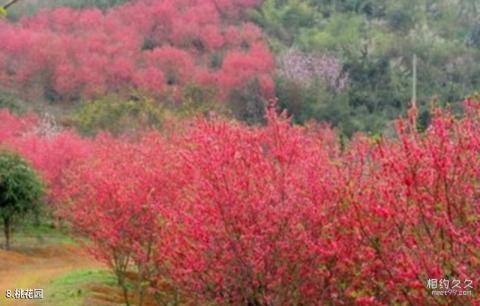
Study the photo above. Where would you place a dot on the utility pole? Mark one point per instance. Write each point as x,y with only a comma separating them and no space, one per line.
413,108
414,81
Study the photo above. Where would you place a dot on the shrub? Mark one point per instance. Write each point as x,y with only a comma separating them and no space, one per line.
225,213
155,46
117,115
20,190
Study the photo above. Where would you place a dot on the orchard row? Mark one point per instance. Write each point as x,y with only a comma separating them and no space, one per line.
219,212
160,47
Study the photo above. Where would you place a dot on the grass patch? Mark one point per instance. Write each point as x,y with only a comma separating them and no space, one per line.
42,234
71,289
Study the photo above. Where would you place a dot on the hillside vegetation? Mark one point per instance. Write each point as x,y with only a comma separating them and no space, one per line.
347,62
245,152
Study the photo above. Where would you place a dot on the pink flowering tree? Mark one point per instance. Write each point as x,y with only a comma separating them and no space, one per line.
157,46
306,68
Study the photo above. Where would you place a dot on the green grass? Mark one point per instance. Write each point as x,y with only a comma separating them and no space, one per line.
43,234
71,289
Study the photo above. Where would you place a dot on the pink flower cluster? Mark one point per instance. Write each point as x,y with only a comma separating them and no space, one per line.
157,46
305,68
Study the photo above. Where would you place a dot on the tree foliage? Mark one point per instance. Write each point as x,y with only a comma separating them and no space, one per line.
20,190
160,47
50,149
220,212
374,41
117,115
215,211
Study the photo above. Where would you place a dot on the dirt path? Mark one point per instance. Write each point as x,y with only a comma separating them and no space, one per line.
37,266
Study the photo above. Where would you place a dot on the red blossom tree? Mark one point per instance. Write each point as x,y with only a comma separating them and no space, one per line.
50,150
276,214
118,200
279,214
153,45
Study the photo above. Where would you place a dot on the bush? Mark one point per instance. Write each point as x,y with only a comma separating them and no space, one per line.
11,102
277,214
159,47
20,190
117,115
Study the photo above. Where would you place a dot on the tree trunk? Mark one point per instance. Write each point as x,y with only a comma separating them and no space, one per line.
6,230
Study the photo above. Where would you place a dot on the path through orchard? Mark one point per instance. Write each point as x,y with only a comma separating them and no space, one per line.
37,266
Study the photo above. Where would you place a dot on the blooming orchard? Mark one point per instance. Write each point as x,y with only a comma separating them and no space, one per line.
157,46
51,154
273,215
304,69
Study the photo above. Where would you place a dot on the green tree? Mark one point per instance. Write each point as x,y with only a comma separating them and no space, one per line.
375,41
20,190
117,115
28,8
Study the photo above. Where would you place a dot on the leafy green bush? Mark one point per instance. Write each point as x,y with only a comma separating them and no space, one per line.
20,190
27,8
248,104
116,114
375,41
11,102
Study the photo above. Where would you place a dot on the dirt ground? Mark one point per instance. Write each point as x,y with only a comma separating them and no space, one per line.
35,267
